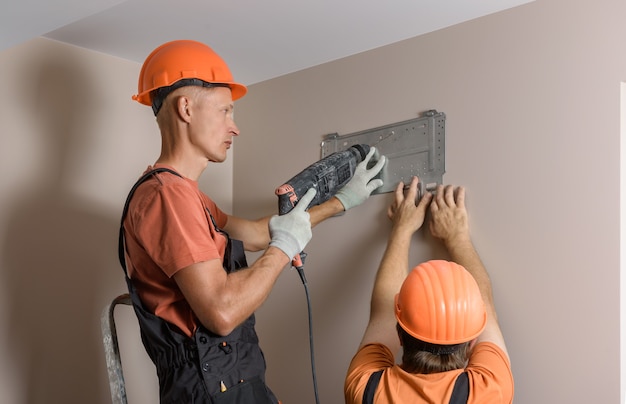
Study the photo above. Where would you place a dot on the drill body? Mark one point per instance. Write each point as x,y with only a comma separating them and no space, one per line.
327,176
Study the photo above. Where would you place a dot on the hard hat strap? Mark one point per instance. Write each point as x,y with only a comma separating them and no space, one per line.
437,349
158,96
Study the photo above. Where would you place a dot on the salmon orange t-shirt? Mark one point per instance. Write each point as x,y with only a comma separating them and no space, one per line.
168,227
489,373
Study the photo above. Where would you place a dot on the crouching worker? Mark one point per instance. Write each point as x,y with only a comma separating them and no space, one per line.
441,313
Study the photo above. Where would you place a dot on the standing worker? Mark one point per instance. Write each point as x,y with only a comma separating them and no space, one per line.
192,290
445,320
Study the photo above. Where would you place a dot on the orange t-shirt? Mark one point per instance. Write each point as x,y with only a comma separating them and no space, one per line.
168,228
489,372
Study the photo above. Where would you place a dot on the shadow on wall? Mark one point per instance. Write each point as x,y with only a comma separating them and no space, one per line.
58,249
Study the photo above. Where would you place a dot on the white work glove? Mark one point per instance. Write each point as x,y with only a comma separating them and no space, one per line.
359,188
292,231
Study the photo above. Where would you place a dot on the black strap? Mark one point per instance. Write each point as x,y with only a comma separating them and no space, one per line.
460,393
370,388
121,246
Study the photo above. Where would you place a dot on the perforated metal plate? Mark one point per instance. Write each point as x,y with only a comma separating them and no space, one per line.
412,147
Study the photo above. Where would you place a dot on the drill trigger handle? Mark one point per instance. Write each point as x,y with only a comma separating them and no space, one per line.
298,260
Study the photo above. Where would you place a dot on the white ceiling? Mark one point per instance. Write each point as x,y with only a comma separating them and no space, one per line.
259,39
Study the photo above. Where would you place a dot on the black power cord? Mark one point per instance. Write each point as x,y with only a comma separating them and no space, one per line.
300,270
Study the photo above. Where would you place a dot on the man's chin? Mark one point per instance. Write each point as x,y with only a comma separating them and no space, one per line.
214,160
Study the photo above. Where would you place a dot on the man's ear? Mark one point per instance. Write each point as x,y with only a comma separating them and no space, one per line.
183,108
471,346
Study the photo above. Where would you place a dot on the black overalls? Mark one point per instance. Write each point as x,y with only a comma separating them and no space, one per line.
205,368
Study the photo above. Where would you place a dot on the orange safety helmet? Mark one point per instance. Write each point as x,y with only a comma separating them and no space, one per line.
440,303
184,59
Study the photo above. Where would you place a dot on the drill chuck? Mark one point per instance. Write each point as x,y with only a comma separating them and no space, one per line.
327,176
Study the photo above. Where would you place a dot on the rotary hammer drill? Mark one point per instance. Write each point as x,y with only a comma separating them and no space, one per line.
327,176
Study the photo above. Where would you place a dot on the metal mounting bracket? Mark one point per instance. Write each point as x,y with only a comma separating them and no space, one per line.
412,147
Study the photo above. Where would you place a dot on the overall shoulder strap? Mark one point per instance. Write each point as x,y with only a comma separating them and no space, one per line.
120,248
460,394
370,388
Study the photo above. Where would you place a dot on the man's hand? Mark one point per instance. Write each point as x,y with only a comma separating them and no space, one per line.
291,232
449,216
406,212
359,188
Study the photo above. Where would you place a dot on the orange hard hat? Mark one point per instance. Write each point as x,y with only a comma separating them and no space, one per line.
440,303
184,59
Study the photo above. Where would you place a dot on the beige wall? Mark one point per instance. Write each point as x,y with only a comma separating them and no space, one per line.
73,142
532,103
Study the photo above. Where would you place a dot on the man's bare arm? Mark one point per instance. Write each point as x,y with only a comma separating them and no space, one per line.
407,217
450,224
